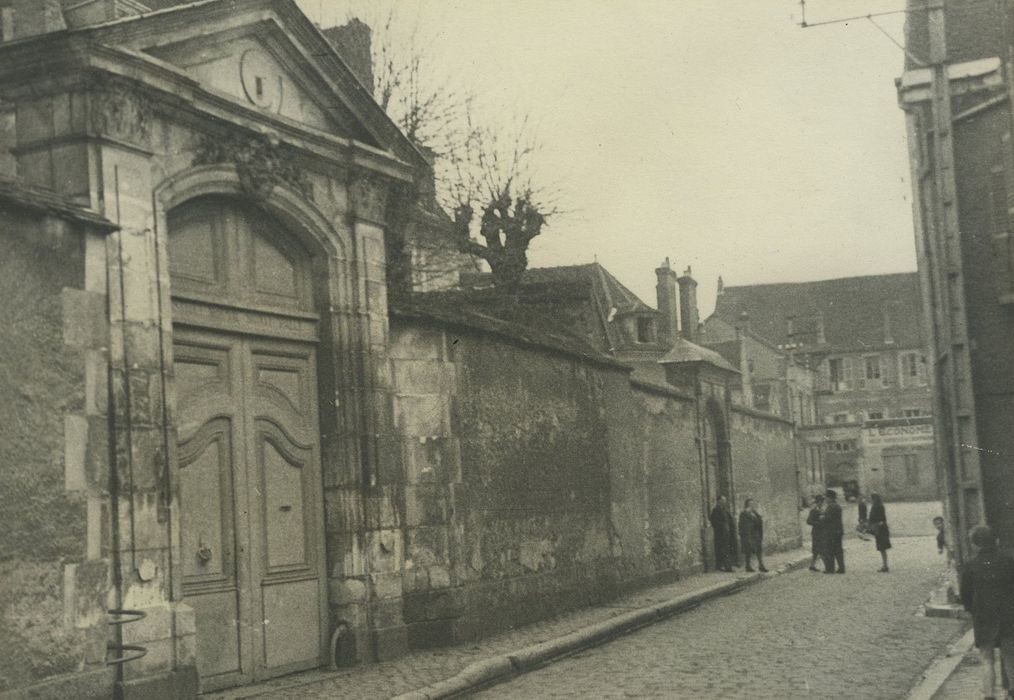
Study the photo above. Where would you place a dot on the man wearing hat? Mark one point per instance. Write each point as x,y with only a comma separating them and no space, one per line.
834,531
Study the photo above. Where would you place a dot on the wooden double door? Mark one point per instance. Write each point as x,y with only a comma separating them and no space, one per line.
251,518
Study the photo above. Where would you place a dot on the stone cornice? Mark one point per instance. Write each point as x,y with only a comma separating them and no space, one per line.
68,63
176,25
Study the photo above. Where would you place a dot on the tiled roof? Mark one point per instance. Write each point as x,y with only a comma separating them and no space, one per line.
457,309
852,309
45,201
684,352
570,280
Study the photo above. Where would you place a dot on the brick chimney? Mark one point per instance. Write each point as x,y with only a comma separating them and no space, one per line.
668,304
688,306
888,333
353,42
746,376
821,336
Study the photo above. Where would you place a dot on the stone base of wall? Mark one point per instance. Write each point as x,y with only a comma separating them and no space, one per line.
181,684
93,685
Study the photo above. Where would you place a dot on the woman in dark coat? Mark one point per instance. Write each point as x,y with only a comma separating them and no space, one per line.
877,526
751,535
814,520
987,583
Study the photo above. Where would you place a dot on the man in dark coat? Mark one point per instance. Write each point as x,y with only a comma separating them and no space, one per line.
751,535
986,585
721,520
834,531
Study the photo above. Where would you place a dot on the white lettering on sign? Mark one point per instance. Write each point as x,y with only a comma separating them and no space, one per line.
899,434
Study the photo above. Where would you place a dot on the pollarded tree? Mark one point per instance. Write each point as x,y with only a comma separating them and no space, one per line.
480,163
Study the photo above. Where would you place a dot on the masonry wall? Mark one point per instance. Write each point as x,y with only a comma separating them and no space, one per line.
537,481
53,466
656,490
764,464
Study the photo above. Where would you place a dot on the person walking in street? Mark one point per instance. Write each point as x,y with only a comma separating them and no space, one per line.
815,520
834,531
751,535
863,527
721,525
986,585
877,526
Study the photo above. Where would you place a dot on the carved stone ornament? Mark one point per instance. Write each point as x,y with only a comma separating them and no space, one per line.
120,110
370,196
261,163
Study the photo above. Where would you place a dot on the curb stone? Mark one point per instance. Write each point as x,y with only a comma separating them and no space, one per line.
941,669
499,668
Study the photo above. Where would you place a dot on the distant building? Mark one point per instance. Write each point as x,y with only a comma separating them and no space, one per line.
863,338
955,92
589,302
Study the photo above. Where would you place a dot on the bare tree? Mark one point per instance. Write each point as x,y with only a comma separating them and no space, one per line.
482,162
494,172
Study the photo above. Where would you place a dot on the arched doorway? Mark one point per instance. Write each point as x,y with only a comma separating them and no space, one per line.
248,446
716,455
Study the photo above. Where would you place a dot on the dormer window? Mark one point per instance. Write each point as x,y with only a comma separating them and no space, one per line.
645,330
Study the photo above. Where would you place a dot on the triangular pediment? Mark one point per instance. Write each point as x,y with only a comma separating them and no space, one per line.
264,55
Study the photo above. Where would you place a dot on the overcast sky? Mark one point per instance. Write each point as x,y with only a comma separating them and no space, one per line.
719,134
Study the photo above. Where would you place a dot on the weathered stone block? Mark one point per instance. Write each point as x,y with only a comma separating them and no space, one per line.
440,577
157,624
386,550
390,643
386,613
75,452
345,591
85,324
382,508
423,416
425,504
415,342
423,376
96,383
387,585
428,547
343,510
158,660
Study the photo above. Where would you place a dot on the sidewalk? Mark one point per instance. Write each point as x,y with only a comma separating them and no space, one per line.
959,675
445,672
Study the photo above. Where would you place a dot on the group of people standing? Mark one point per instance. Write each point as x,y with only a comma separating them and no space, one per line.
751,535
828,530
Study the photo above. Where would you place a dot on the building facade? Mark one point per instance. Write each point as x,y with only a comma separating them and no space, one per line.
870,426
226,453
207,323
955,92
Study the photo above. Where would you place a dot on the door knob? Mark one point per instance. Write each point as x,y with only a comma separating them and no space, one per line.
203,553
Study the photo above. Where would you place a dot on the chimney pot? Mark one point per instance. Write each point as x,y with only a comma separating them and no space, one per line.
668,303
689,314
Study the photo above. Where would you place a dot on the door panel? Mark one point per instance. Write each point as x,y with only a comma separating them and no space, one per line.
291,610
251,520
208,387
289,544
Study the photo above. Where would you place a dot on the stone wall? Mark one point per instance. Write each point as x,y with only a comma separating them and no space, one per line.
764,465
538,481
53,462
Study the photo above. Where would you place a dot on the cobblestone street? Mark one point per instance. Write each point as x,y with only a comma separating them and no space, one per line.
801,635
